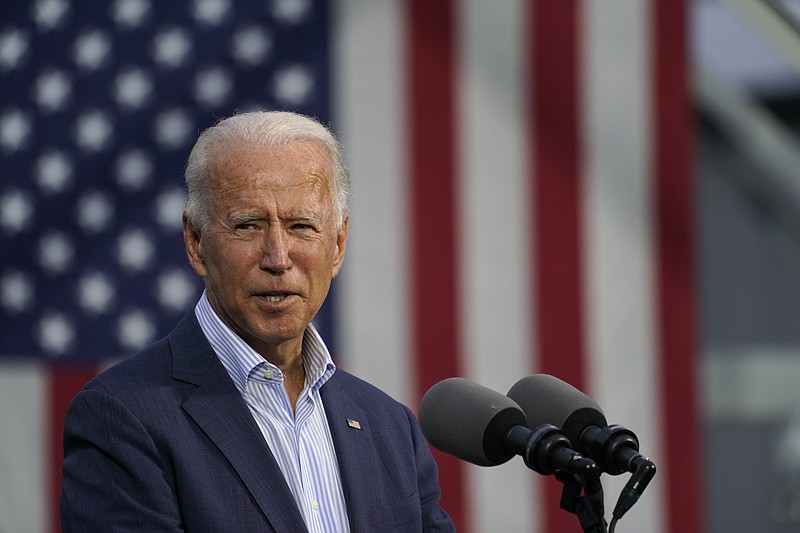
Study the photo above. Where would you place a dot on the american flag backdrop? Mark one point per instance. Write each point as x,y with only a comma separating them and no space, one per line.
522,203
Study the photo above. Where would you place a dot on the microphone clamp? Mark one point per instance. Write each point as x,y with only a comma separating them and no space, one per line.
614,447
545,450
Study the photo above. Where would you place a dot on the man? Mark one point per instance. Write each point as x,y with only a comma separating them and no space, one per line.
239,420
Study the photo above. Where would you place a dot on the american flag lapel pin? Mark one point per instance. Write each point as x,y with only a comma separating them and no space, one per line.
353,424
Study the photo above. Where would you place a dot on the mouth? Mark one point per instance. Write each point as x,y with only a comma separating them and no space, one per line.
275,297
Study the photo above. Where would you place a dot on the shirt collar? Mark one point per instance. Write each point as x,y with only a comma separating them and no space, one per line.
240,359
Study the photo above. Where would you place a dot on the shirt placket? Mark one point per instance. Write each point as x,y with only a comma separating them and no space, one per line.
308,462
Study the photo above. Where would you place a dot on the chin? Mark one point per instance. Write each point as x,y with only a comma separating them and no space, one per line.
279,334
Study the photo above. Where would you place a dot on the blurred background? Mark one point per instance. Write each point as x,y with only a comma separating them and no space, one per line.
603,190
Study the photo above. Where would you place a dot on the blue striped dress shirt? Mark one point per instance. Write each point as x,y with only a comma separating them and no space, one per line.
301,442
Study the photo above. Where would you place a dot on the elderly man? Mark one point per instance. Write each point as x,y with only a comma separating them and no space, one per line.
239,419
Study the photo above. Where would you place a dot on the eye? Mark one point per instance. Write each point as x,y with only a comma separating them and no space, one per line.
301,226
246,227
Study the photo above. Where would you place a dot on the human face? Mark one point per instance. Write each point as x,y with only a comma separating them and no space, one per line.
273,242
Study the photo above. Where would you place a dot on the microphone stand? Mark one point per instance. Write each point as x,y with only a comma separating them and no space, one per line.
584,476
547,451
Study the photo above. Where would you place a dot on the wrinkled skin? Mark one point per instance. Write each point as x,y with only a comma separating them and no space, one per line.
272,245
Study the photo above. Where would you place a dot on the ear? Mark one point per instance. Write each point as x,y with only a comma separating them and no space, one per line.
191,238
341,245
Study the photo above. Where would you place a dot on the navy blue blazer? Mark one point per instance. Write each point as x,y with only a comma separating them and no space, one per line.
163,441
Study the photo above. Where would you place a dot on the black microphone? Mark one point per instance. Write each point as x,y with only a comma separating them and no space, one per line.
482,426
464,419
546,399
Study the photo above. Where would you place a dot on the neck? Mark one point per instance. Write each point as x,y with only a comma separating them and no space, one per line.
294,378
288,357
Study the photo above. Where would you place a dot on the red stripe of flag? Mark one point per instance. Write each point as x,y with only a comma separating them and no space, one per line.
434,249
672,125
63,383
558,284
556,186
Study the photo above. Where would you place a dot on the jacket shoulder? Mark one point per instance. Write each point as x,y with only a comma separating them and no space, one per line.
363,390
155,365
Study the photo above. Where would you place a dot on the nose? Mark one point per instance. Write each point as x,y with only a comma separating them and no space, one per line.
275,257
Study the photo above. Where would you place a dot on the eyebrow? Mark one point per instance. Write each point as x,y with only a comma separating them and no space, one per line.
239,218
303,218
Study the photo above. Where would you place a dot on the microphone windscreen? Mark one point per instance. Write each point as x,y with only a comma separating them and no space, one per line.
470,421
546,399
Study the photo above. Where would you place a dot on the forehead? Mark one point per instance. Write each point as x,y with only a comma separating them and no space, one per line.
234,164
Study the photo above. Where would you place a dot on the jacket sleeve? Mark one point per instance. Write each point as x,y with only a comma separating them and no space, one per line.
114,478
434,518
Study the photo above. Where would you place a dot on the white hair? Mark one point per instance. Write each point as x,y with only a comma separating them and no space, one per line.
267,128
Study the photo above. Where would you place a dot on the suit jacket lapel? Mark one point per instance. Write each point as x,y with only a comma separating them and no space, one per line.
218,408
354,451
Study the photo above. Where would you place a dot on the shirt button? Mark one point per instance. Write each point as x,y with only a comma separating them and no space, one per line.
269,374
315,505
